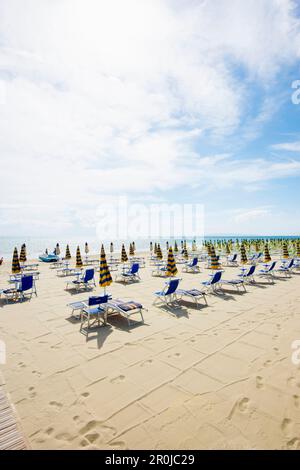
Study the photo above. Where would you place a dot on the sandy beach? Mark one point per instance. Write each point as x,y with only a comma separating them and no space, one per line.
216,377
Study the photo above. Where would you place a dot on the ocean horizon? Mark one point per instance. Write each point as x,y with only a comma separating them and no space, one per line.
37,245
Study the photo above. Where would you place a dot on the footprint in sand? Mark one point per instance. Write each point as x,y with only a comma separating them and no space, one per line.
56,405
92,437
117,380
84,443
49,431
291,381
294,443
296,400
243,404
267,363
118,445
259,382
32,393
85,394
65,436
286,426
146,363
21,365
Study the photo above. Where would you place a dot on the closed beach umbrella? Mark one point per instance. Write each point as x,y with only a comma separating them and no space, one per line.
57,249
227,249
158,252
175,247
285,253
194,246
23,257
86,248
244,259
298,249
171,266
111,248
15,268
105,278
151,247
124,256
214,263
167,245
185,253
68,254
267,257
131,251
133,246
155,248
78,258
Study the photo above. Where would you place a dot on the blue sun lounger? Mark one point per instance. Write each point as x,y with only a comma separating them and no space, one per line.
268,271
131,275
86,281
168,295
215,282
191,267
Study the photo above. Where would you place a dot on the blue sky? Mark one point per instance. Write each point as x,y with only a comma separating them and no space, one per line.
162,101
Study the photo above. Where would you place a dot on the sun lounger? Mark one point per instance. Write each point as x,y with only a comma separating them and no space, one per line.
247,274
192,294
268,271
86,281
130,275
191,267
214,283
126,308
168,295
24,286
286,268
237,283
232,260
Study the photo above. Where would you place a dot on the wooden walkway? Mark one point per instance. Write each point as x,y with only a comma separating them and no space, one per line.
11,437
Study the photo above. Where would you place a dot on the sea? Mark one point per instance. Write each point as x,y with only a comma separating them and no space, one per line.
37,245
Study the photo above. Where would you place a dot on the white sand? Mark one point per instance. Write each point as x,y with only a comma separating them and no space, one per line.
211,378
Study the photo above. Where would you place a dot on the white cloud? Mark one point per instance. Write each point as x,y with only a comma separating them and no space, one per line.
288,146
110,97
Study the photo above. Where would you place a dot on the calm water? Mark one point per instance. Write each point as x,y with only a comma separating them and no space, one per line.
37,245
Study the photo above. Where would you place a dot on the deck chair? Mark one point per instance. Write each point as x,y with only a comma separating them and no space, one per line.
191,267
94,312
232,260
214,283
168,294
268,272
248,275
86,281
237,283
286,268
131,275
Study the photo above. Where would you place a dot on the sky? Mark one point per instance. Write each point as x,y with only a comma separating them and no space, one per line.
161,102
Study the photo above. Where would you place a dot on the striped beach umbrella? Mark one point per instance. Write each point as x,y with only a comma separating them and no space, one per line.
124,256
86,248
155,248
79,263
158,252
105,278
175,247
227,249
244,259
111,248
151,247
214,263
171,266
185,252
167,245
23,257
57,249
68,253
133,246
285,253
267,257
194,246
15,268
298,249
131,250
